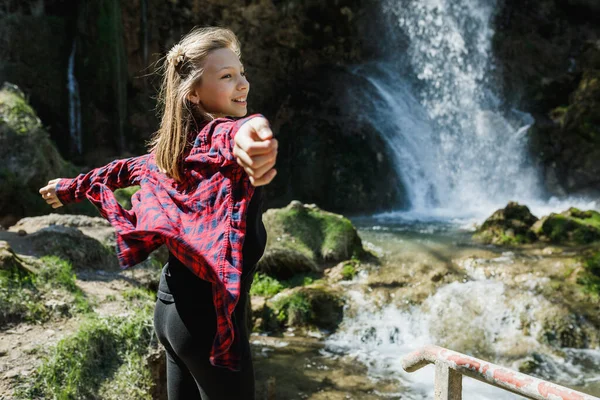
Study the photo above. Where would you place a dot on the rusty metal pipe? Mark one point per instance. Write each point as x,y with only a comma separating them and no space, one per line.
492,374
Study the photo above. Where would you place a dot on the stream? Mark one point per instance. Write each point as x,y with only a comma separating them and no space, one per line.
434,286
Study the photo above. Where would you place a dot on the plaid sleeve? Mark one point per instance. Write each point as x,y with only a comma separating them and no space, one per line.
118,174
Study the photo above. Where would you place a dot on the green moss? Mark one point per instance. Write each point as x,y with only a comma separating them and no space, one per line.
317,234
16,113
83,364
300,280
314,305
509,226
123,196
349,271
589,278
573,225
294,309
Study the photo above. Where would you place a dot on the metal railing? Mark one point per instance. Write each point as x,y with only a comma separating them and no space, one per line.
450,366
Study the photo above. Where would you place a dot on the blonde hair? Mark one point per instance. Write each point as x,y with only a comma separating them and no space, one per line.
182,70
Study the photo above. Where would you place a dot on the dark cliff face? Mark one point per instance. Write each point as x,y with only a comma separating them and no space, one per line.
289,48
549,54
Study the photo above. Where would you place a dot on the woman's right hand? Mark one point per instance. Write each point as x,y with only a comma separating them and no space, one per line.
256,151
48,193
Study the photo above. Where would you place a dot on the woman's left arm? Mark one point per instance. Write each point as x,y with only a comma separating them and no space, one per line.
118,174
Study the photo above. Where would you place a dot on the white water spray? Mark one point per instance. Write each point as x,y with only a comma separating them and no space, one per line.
481,318
74,102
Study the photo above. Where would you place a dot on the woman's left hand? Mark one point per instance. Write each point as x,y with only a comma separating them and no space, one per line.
256,151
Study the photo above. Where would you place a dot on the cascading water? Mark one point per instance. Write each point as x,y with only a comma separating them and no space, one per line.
481,317
456,149
74,102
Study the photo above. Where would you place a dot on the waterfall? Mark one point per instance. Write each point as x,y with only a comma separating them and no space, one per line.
457,149
74,102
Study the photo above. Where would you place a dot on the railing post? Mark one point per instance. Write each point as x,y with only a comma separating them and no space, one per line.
448,383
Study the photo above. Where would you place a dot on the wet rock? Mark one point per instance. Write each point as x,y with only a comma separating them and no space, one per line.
264,318
314,305
508,226
303,238
561,328
569,227
346,270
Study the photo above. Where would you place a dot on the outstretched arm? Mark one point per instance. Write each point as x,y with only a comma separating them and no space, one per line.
117,174
255,150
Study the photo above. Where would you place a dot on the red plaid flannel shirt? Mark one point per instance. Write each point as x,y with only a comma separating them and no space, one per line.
202,219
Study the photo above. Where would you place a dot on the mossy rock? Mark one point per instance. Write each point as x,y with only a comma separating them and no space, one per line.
561,328
569,227
589,275
29,158
532,365
303,238
315,305
508,226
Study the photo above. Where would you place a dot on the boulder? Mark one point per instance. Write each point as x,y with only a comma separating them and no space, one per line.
569,227
303,238
508,226
314,305
29,160
71,244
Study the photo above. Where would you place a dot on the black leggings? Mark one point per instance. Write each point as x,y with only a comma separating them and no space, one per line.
185,322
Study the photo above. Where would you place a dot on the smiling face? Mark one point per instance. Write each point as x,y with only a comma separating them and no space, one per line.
223,88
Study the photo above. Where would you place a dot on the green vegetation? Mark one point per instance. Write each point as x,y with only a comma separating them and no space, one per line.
589,278
26,295
294,309
123,196
103,359
139,294
349,270
571,226
264,285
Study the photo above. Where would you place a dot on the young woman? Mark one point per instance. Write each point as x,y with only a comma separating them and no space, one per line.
200,195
